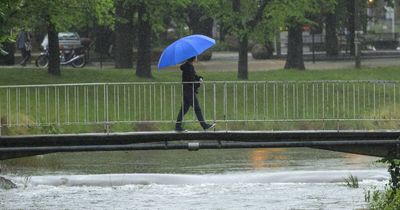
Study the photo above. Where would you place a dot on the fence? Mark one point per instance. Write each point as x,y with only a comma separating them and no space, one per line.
262,105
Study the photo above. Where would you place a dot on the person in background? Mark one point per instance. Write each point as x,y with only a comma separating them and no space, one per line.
191,82
24,44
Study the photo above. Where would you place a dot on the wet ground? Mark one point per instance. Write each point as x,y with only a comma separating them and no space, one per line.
228,61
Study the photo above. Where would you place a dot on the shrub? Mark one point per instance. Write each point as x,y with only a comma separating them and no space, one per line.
259,51
205,56
387,199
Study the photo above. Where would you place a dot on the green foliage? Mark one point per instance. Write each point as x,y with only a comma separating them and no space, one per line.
8,18
158,10
239,22
387,199
394,168
390,197
351,181
65,14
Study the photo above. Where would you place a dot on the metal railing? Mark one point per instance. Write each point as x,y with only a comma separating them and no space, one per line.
253,104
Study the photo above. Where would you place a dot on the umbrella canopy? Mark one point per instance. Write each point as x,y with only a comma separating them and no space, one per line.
184,49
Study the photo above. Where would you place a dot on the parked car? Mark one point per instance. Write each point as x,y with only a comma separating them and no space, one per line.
67,40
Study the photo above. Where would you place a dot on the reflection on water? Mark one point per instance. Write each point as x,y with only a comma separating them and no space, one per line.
264,157
185,162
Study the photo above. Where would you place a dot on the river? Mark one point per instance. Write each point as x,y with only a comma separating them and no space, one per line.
294,178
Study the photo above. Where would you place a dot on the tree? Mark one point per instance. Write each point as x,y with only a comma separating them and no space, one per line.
150,19
143,65
241,17
8,11
294,14
198,20
331,38
124,33
59,15
294,58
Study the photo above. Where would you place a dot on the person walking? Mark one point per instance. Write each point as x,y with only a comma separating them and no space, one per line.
191,82
24,44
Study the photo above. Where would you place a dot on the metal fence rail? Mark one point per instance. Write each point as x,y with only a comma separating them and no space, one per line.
227,102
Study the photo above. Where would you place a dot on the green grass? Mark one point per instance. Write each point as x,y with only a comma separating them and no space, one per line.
24,76
285,105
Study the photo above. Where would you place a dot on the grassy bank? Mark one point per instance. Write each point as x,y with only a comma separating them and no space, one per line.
258,106
23,76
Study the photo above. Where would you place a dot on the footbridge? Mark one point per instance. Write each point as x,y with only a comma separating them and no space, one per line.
359,117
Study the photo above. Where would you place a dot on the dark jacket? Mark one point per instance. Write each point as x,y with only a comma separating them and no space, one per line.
189,75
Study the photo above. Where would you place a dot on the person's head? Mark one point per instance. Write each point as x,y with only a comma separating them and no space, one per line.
192,59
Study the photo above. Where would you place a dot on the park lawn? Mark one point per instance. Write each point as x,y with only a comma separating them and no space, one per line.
26,76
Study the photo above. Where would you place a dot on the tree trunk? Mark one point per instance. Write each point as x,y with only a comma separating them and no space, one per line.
278,43
331,40
198,22
54,50
351,25
143,65
243,63
243,47
294,59
123,35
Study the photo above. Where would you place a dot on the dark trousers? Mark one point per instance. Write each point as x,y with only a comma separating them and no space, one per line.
188,101
26,55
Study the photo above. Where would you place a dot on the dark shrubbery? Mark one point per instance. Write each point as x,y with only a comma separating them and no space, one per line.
260,51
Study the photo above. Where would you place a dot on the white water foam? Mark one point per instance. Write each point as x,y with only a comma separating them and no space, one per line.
332,176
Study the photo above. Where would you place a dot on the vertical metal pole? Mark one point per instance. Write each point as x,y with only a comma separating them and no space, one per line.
225,107
215,102
17,101
161,102
254,101
134,103
27,105
194,113
265,100
204,100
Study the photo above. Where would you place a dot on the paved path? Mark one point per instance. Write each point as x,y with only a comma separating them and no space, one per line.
227,61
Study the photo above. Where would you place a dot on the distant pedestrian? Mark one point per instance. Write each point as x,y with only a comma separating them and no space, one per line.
191,82
24,44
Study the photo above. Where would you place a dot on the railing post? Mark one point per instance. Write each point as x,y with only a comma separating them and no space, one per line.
215,103
107,125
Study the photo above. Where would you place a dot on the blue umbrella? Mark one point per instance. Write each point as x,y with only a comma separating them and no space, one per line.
184,49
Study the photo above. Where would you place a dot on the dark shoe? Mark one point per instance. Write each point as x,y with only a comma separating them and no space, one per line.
208,126
180,130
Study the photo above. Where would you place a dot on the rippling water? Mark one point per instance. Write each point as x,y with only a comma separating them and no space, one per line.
294,178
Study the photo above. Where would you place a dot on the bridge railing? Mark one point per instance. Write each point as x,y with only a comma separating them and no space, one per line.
257,105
